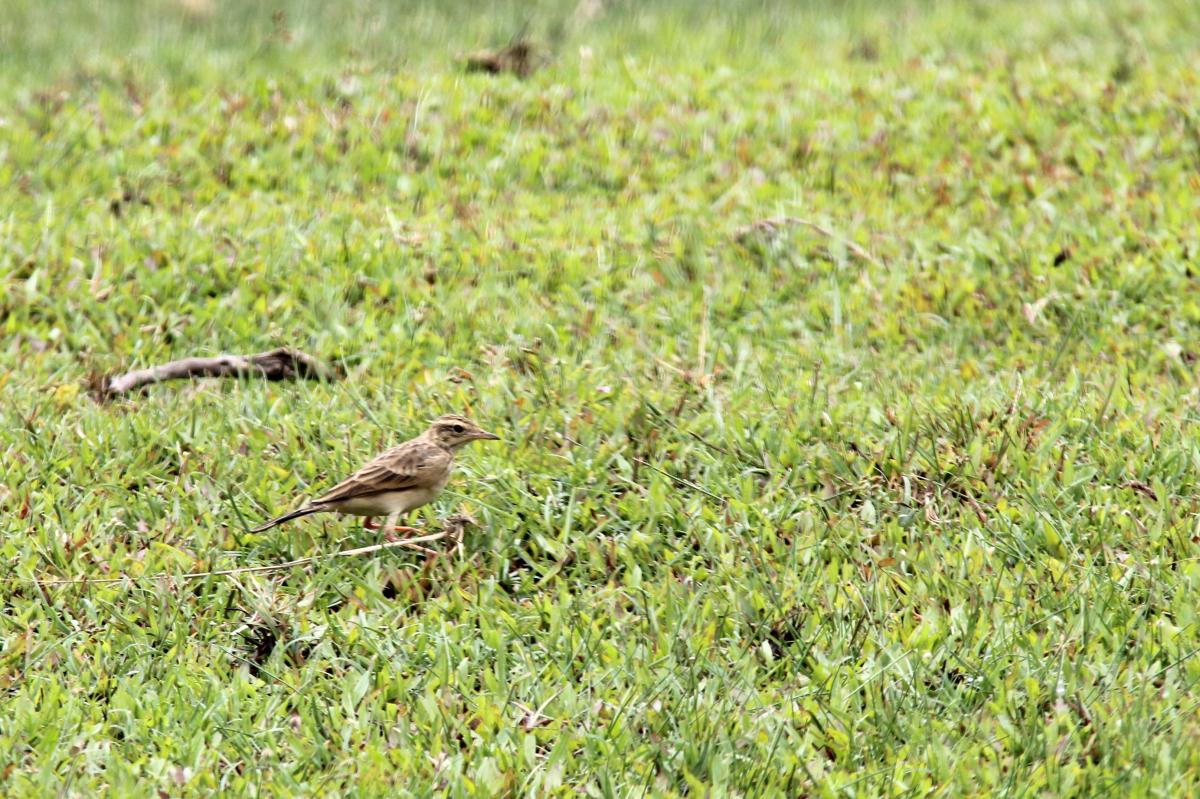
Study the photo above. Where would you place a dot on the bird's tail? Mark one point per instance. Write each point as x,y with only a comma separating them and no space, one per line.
287,517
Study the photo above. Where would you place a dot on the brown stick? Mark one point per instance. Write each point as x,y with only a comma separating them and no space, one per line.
774,223
283,363
519,57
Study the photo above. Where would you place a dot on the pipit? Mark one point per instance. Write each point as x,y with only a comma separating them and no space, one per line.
397,480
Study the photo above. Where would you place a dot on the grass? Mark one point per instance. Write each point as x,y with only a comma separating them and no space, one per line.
896,500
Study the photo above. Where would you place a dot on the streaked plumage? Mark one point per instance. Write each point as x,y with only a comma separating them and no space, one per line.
400,479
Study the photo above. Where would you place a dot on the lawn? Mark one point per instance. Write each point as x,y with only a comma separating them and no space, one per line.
845,356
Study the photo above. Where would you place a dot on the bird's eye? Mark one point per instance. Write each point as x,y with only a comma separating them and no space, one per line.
458,428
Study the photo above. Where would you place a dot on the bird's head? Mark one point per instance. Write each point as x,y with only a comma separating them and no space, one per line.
451,432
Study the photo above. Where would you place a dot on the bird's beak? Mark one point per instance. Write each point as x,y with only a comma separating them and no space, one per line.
483,435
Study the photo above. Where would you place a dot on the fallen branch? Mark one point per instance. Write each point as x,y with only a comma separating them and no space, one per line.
409,543
772,224
520,57
283,363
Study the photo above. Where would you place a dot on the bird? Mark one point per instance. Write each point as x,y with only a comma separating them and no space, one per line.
399,479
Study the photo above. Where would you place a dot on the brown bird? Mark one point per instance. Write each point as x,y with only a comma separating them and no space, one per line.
397,480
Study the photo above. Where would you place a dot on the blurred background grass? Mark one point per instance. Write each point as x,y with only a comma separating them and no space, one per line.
197,40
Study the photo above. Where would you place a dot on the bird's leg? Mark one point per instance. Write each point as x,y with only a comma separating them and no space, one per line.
368,524
391,535
392,529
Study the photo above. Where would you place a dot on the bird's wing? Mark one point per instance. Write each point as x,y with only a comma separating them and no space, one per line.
411,465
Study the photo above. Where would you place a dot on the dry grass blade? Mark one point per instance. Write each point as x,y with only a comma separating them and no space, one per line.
408,543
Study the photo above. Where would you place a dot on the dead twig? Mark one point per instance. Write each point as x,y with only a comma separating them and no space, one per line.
1142,488
775,223
283,363
454,528
519,57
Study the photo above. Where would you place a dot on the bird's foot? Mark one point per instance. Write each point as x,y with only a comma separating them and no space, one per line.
370,524
391,533
392,537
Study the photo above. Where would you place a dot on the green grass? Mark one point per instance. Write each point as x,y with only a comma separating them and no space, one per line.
772,518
